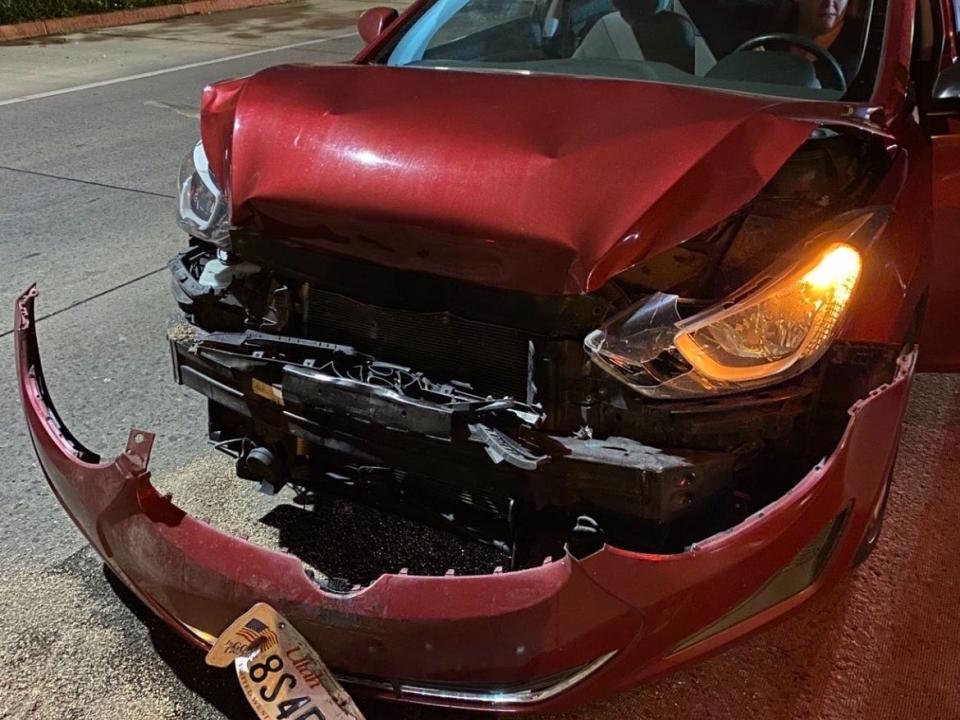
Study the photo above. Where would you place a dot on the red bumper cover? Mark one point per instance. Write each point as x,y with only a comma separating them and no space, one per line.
487,633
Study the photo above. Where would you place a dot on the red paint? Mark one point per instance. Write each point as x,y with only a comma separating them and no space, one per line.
374,21
562,614
940,339
397,165
483,176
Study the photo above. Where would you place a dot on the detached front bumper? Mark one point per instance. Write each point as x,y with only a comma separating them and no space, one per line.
538,639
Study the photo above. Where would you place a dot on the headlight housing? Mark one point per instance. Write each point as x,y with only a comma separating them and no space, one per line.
202,210
772,329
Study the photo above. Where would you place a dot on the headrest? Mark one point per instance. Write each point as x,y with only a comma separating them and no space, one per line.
643,7
655,6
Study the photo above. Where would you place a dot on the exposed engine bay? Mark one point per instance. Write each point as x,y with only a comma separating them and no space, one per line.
474,416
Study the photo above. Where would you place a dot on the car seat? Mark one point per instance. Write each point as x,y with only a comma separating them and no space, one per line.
642,30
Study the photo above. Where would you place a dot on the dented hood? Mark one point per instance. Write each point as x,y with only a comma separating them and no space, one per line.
545,184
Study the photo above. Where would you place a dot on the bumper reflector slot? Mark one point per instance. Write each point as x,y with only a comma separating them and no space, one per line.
800,574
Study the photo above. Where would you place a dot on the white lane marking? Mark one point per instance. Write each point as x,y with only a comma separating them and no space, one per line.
164,71
186,110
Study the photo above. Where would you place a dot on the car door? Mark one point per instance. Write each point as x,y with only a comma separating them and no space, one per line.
940,331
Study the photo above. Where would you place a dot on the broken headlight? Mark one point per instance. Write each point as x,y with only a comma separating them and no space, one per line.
772,329
202,208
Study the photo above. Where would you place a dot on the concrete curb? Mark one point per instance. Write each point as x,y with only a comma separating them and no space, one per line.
79,23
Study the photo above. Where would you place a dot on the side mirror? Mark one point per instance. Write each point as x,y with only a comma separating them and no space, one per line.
946,91
374,21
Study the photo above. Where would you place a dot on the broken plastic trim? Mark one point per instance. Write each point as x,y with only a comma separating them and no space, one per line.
853,465
629,345
502,448
341,378
203,210
305,406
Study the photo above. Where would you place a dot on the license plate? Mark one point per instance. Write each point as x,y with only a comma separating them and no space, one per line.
281,675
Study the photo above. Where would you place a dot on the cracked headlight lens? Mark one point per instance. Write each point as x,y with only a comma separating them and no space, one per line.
202,209
772,329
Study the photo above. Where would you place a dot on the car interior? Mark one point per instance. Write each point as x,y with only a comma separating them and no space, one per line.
747,45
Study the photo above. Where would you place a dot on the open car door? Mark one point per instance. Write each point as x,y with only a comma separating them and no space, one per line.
940,332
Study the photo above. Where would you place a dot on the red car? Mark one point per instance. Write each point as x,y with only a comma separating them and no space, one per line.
583,330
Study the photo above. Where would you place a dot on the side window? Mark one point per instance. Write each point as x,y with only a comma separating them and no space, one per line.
928,45
924,31
954,22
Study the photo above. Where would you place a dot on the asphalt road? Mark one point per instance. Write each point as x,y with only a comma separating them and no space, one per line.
86,210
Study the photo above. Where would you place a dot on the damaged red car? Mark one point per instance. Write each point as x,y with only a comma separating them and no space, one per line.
597,318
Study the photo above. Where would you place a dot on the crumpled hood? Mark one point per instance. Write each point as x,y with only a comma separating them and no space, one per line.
545,184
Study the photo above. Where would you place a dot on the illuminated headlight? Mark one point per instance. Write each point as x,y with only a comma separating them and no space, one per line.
776,328
772,329
202,207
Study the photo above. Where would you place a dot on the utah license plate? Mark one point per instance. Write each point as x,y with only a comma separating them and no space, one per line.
281,675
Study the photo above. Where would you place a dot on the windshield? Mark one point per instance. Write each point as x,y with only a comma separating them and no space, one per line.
823,49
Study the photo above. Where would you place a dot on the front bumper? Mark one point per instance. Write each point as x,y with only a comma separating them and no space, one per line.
539,639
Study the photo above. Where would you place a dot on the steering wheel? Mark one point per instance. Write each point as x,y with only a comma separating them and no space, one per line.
804,43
